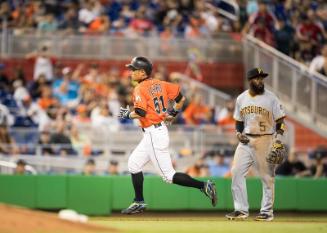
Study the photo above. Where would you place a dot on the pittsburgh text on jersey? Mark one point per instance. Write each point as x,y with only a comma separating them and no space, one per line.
254,109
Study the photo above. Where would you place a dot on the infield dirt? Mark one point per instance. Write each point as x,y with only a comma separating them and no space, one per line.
21,220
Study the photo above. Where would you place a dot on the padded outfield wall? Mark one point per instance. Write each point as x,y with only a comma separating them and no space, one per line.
100,195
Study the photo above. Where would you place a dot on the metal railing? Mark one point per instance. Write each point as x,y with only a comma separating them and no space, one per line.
198,139
222,48
187,144
304,94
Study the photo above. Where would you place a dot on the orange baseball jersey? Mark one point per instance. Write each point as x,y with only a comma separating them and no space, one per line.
152,96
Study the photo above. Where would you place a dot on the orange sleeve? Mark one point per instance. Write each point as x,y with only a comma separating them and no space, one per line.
139,99
172,90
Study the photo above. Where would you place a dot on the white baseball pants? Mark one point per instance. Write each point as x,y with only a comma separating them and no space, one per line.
154,146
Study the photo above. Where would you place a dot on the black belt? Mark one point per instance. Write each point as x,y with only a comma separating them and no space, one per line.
257,135
155,126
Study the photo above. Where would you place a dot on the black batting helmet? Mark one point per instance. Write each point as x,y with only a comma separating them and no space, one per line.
140,63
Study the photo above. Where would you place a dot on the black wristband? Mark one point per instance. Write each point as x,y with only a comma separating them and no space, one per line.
173,112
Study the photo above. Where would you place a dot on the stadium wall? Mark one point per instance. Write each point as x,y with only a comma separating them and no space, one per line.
225,76
99,195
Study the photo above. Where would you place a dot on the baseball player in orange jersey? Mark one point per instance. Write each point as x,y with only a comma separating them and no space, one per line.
150,100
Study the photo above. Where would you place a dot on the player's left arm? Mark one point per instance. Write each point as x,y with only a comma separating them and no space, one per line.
280,129
279,116
178,105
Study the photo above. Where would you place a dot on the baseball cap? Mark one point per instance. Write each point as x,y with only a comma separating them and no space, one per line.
255,72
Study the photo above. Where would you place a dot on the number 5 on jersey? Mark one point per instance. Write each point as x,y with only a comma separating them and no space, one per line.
262,126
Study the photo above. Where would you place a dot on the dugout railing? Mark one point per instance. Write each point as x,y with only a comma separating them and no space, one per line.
303,94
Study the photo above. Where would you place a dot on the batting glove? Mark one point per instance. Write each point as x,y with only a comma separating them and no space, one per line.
173,112
124,113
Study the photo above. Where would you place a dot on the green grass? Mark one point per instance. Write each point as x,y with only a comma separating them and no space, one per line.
212,223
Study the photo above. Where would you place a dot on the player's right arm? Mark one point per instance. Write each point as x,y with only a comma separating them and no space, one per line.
239,124
140,106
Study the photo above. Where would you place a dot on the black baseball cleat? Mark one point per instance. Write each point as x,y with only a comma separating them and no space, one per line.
264,217
210,191
135,208
237,215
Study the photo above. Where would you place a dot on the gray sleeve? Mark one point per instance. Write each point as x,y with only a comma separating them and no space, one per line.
278,110
237,112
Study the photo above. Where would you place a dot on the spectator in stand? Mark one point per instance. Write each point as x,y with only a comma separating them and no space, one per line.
46,118
44,144
82,116
19,90
81,142
36,86
140,25
304,52
7,143
112,169
89,11
4,79
322,15
199,169
43,63
47,100
6,119
30,109
101,24
48,24
66,89
89,168
101,117
194,29
217,165
20,168
88,97
225,117
69,23
309,34
258,21
252,7
93,75
59,140
243,15
319,167
284,37
293,166
197,112
319,63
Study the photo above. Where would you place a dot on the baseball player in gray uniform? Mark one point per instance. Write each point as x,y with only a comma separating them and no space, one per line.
259,125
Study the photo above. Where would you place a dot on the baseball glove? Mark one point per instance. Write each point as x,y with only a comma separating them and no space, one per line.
277,153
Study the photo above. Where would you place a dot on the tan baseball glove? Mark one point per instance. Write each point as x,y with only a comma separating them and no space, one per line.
277,153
